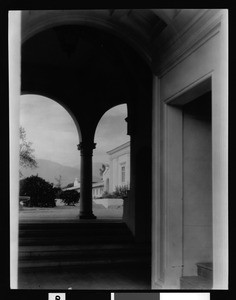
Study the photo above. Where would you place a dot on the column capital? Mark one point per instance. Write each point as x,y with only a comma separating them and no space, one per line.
86,147
127,120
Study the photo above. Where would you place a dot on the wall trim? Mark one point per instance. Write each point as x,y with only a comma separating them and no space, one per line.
203,83
189,42
173,126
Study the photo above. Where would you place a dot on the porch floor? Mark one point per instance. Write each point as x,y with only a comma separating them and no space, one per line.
68,213
95,278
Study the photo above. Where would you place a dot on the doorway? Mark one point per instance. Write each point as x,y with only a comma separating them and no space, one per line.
197,184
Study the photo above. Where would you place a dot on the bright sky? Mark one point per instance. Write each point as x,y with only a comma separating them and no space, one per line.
54,135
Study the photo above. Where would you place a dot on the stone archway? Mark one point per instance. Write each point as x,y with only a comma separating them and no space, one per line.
97,73
193,45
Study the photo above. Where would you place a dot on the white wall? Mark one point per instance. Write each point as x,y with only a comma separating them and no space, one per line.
204,58
117,160
14,108
97,191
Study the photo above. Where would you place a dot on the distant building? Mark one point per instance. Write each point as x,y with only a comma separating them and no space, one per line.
97,189
116,174
75,186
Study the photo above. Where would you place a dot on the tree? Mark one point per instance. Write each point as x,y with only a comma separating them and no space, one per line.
70,197
27,159
57,186
58,180
41,192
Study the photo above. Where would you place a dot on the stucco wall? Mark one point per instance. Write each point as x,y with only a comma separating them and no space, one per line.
197,194
205,59
118,159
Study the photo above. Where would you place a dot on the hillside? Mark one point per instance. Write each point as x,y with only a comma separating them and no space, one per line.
50,170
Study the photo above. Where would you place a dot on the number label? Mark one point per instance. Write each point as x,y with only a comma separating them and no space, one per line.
56,296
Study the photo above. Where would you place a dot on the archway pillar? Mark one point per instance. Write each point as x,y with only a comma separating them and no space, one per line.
86,153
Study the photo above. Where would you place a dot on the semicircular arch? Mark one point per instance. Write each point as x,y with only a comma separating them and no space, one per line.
61,103
99,21
111,129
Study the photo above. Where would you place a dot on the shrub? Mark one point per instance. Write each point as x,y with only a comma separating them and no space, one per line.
70,197
121,191
41,192
107,195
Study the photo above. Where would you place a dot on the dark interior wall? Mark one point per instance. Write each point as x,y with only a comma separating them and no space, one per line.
197,191
91,71
141,163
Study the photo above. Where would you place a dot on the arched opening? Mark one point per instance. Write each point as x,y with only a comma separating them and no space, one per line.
50,135
190,46
91,77
112,159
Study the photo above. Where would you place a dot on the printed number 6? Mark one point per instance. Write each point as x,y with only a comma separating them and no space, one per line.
57,297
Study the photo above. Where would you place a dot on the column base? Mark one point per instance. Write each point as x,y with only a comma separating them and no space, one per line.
87,216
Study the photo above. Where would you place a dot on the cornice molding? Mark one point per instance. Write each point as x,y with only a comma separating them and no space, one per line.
119,148
193,90
207,26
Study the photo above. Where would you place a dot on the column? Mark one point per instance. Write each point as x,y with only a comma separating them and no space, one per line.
86,153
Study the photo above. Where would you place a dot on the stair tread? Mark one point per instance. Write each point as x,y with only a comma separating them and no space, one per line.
74,262
82,247
71,221
197,282
77,244
60,242
73,224
206,265
82,260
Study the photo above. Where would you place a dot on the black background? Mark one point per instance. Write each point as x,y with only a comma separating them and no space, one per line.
5,292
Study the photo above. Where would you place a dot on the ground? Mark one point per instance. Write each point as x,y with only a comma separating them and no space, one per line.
105,277
68,212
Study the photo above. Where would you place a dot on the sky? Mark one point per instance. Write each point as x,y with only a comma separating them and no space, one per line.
54,136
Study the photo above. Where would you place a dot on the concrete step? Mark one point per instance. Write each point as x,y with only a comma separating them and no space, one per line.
205,270
82,251
73,233
77,244
54,256
86,224
195,282
70,230
70,240
55,263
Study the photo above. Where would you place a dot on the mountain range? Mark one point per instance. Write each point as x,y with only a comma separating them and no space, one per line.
50,170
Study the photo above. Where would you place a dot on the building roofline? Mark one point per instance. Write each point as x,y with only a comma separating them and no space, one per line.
72,188
98,184
123,146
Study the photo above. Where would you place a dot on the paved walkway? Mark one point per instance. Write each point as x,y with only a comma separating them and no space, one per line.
68,213
100,278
